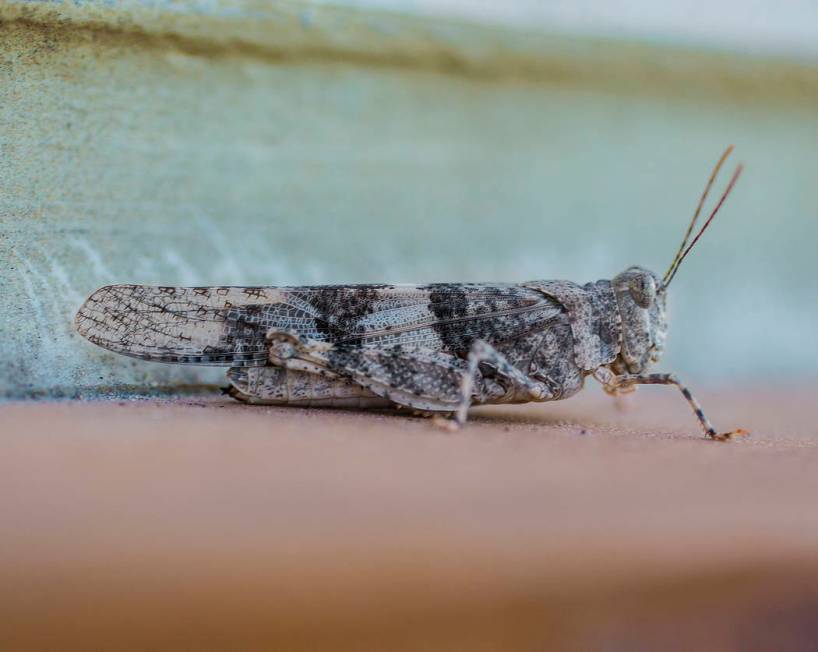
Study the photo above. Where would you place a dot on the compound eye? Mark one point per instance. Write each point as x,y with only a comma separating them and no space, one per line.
643,290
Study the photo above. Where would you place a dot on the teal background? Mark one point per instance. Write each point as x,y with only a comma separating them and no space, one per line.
144,162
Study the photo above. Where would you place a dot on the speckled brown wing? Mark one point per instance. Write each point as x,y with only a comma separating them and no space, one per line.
228,325
176,324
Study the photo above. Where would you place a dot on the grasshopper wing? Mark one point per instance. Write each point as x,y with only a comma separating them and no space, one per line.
229,325
177,324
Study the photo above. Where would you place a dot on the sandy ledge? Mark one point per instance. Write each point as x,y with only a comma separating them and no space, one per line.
200,523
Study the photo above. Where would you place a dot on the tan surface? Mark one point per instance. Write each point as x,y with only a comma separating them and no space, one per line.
202,523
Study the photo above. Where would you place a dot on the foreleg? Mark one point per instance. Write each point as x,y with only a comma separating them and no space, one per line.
612,383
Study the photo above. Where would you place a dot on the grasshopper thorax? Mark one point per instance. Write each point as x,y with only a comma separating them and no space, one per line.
641,299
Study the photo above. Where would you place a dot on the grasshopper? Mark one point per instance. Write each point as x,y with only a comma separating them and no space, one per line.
436,348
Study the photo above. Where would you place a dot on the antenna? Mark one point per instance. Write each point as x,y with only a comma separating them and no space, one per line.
675,267
702,199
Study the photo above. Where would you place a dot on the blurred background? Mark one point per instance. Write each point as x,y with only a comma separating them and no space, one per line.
789,27
407,141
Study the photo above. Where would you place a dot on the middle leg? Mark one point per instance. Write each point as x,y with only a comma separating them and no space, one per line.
518,386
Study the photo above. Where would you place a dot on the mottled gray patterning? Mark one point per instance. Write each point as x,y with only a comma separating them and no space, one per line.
434,348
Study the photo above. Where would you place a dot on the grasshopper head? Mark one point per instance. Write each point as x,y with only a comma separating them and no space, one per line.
642,296
641,299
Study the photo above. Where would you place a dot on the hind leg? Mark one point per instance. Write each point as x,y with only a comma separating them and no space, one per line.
279,386
423,380
426,380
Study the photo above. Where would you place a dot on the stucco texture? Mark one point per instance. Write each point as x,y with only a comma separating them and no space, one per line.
269,143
